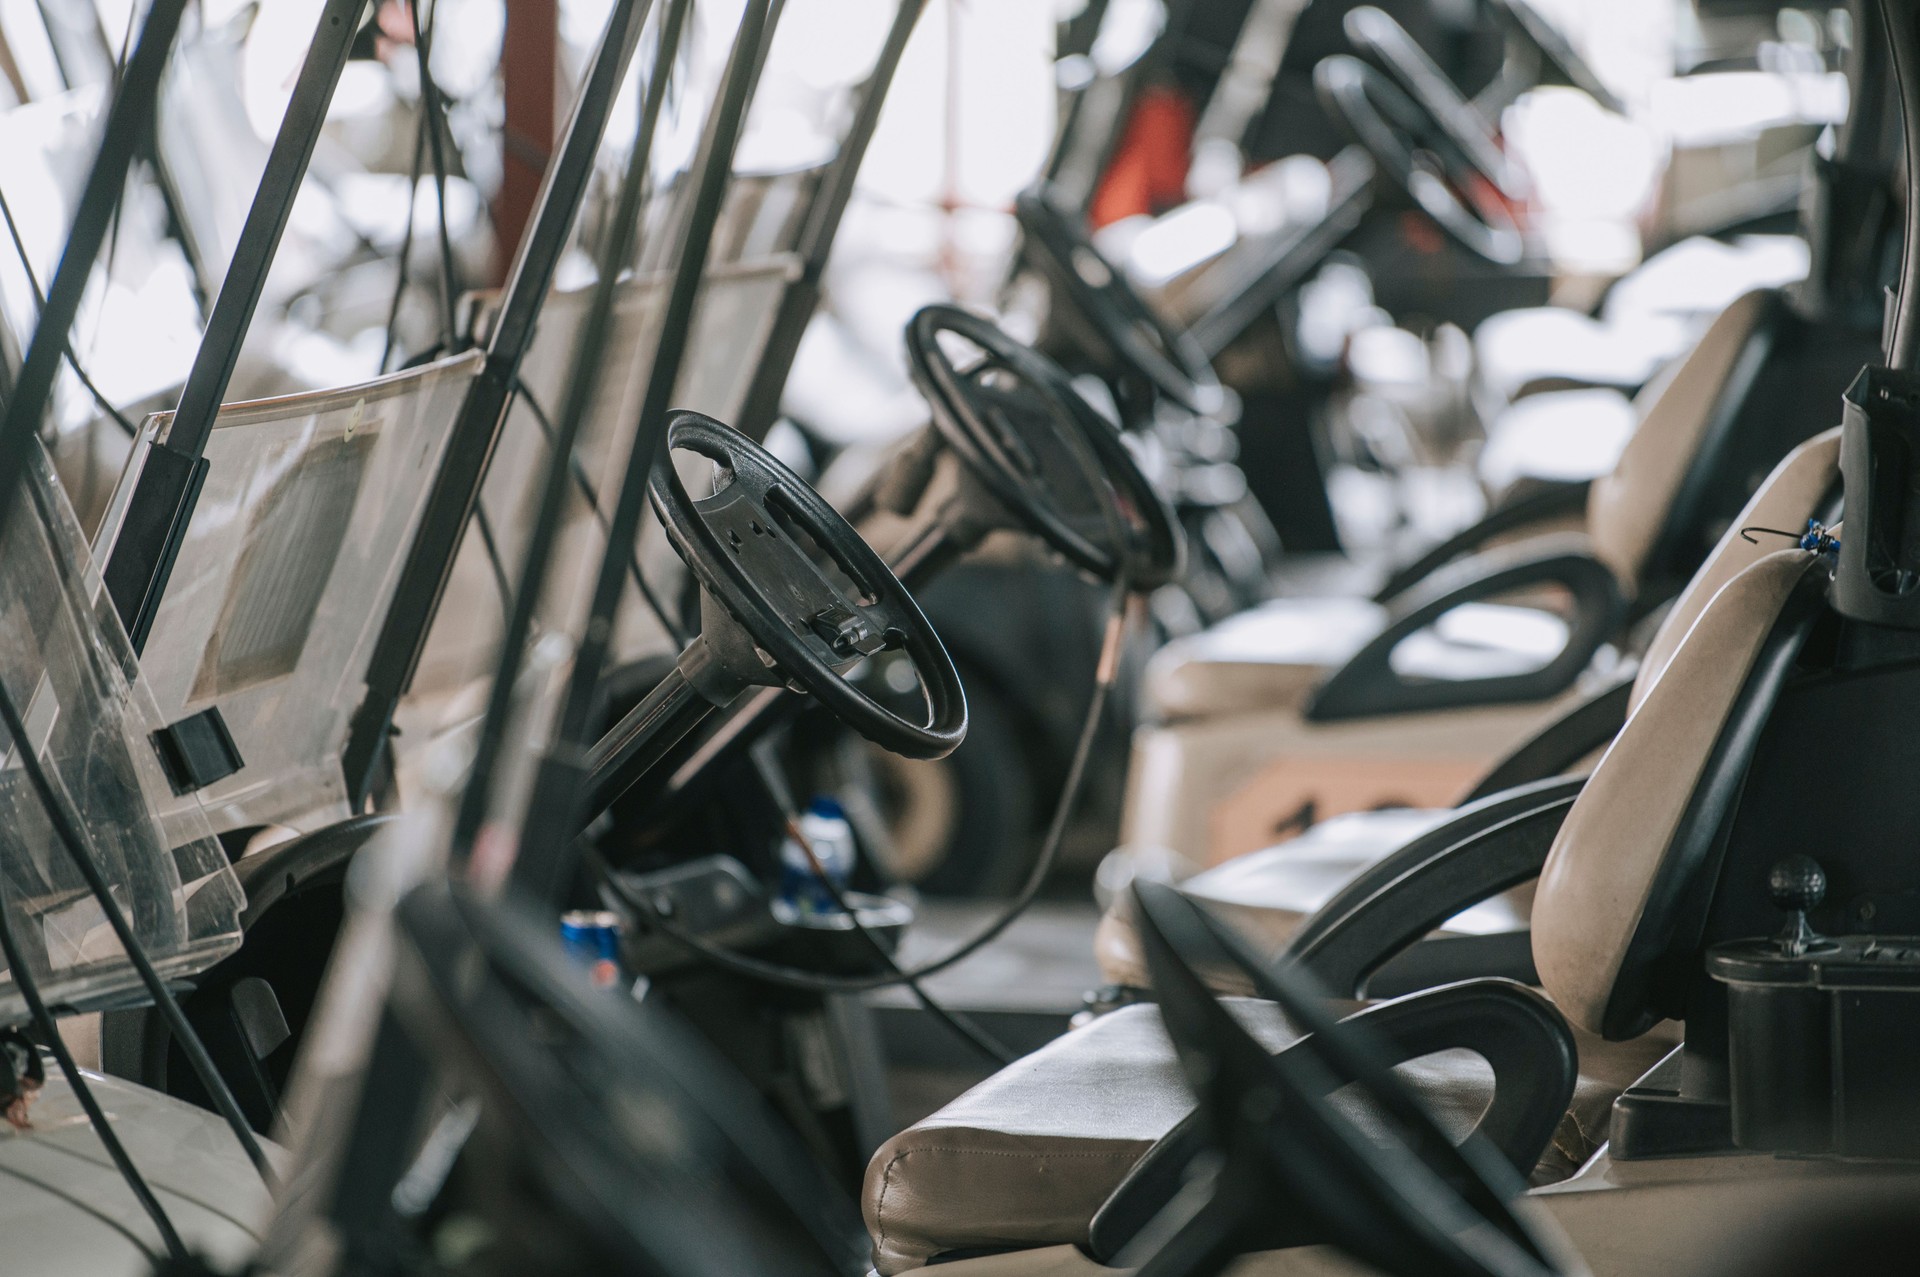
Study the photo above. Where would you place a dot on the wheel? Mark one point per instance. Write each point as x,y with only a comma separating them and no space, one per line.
963,825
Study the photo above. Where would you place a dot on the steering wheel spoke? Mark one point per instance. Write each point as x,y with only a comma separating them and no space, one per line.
1134,333
811,598
1040,450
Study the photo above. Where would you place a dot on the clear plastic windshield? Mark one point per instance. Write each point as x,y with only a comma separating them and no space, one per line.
286,573
90,719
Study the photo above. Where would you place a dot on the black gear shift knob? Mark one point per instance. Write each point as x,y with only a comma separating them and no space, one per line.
1797,884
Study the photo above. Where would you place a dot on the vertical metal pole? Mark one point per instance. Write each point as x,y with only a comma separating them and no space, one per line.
142,557
541,866
128,121
423,578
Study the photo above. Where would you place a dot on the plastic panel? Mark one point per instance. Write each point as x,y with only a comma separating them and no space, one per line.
69,667
286,572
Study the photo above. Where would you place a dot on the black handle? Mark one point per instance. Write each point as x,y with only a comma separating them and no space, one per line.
1368,684
1523,1039
1490,846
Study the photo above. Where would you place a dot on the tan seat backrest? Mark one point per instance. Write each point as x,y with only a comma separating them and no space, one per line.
1627,507
1611,851
1791,495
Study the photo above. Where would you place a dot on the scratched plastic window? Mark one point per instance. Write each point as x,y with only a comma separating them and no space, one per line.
291,545
310,506
68,669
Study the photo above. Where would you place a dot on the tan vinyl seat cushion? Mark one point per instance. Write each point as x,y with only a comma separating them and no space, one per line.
1265,895
1273,656
1027,1157
1270,657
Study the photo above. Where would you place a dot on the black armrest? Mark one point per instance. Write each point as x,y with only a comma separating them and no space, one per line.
1488,847
1368,684
1588,726
1542,502
1519,1034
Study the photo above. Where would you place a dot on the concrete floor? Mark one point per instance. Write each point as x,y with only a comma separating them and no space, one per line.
1022,989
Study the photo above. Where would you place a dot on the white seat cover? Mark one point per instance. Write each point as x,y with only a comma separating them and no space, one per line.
1027,1157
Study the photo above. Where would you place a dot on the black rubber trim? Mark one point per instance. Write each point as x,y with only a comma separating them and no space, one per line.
1487,847
1561,744
1368,684
1659,959
1539,504
268,875
1515,1030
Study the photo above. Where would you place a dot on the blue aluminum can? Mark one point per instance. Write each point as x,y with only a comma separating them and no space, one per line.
592,936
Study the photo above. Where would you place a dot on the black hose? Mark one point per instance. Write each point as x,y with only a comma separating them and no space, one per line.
960,1025
406,248
40,300
432,109
584,481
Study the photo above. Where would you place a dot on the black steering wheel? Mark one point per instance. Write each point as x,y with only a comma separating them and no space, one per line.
1560,63
1398,1193
1384,42
1016,421
812,597
1171,360
1414,150
605,1135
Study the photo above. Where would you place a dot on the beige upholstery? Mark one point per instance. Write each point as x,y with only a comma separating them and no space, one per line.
1608,853
1027,1157
1216,788
1270,657
1273,656
1628,507
1267,893
1786,500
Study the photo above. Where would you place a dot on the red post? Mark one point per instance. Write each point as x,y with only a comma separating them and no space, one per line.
528,62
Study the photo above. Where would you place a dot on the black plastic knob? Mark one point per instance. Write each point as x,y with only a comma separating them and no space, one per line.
1797,884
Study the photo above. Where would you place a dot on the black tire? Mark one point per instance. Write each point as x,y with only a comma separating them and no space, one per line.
964,825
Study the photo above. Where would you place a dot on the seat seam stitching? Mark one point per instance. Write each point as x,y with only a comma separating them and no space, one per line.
886,1175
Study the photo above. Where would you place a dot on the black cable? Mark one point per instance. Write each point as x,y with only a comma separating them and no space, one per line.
67,830
1903,35
40,302
406,247
492,547
961,1026
584,482
431,112
808,981
29,987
